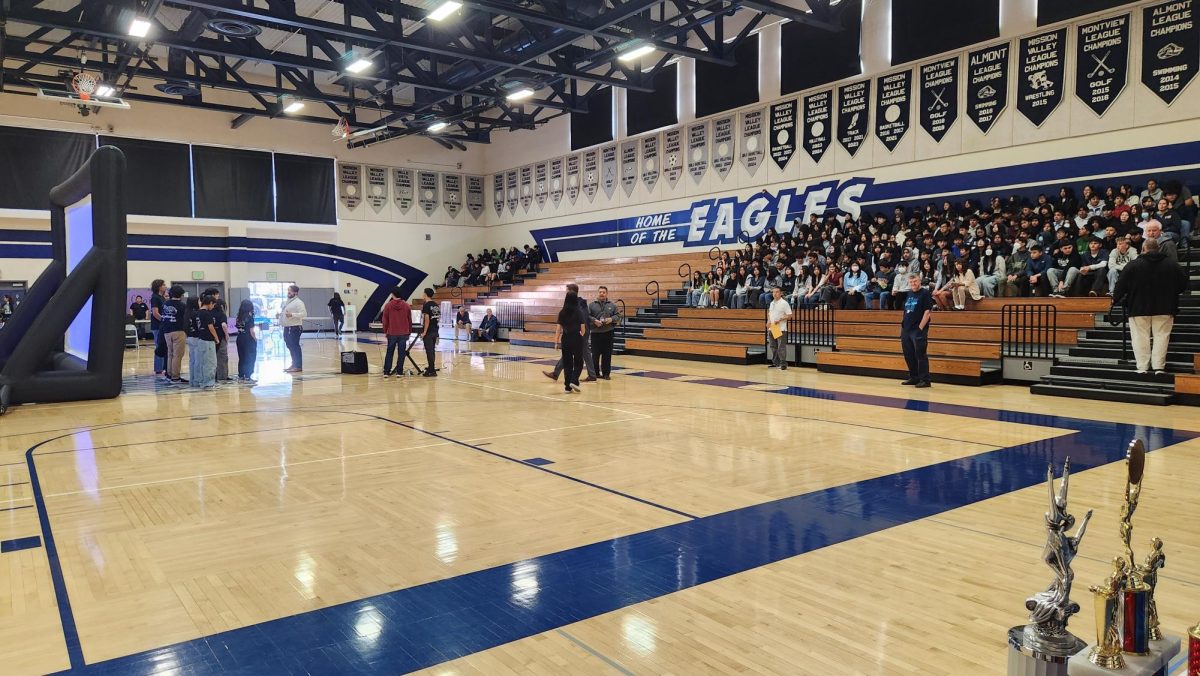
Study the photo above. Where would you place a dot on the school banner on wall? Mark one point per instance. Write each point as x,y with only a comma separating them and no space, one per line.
498,193
541,185
673,156
818,132
1101,61
697,157
527,187
350,185
893,106
939,97
403,193
573,180
650,165
452,193
722,146
377,189
591,173
629,167
608,170
853,100
556,181
752,142
510,181
427,191
475,196
1040,80
1170,47
783,132
987,85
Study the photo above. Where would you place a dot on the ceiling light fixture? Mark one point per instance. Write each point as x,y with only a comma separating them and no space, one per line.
436,127
139,27
520,95
359,65
103,90
444,10
636,52
293,106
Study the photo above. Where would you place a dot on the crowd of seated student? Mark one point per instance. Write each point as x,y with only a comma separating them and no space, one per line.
1052,247
490,267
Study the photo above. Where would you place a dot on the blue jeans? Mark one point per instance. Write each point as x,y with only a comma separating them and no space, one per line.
291,338
160,363
204,356
394,342
872,296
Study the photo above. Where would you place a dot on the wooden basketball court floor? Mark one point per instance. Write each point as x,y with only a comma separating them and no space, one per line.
682,518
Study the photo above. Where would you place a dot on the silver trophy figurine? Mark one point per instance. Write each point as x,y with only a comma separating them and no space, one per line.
1044,645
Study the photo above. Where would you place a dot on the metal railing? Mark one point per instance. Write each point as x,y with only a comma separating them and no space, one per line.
1123,322
686,275
812,325
657,292
1029,331
624,315
511,315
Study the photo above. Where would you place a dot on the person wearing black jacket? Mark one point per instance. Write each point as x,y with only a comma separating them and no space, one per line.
1063,270
1093,273
1149,288
569,335
337,310
247,343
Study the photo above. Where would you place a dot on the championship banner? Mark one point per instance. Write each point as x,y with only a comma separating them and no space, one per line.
987,85
526,187
403,193
853,100
452,193
350,185
377,188
556,181
498,193
1170,47
427,191
650,165
629,167
475,196
673,156
573,181
608,170
818,132
1040,81
722,146
591,173
541,183
697,150
752,140
1101,61
893,106
783,132
510,181
939,97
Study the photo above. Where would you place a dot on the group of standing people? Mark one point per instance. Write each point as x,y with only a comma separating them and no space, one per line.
396,317
198,327
584,334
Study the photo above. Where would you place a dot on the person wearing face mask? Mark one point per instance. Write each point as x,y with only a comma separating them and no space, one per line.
854,284
992,269
1015,281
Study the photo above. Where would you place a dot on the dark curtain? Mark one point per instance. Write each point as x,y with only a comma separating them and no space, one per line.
231,183
720,88
158,178
1053,11
653,110
32,161
812,56
304,189
595,126
922,28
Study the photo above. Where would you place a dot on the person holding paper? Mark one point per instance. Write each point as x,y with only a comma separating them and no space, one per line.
777,316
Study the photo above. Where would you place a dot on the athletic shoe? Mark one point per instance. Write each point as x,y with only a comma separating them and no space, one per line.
550,375
1142,373
923,383
1092,293
605,377
590,379
574,388
910,381
386,376
1159,372
771,366
783,368
1056,295
429,374
209,388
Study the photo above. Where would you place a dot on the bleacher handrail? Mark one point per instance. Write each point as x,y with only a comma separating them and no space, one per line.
1029,330
511,315
656,292
686,275
714,253
812,325
624,315
1123,322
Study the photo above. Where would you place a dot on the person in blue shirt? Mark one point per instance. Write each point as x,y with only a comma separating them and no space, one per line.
914,331
1039,283
489,327
855,285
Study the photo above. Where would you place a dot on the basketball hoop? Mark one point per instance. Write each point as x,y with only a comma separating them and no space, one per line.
85,85
341,130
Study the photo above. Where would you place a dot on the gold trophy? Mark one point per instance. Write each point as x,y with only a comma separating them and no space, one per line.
1107,653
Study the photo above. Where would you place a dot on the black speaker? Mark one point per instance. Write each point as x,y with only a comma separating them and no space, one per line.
354,363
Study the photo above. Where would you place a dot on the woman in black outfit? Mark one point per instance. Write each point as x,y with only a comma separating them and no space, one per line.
247,344
337,310
569,335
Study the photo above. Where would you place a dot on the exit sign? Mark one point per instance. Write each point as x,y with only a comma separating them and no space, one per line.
197,275
272,276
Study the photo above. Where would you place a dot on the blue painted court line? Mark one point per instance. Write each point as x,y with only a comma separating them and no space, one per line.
20,543
538,461
425,625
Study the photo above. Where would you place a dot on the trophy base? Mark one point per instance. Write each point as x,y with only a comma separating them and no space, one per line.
1156,662
1032,654
1110,661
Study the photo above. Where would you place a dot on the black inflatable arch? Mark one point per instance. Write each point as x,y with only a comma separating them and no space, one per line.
34,363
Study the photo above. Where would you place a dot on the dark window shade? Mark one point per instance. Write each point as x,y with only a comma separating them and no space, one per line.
595,126
32,161
304,189
811,57
652,110
158,179
922,28
233,184
720,88
1053,11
